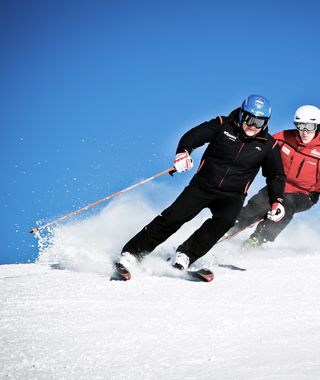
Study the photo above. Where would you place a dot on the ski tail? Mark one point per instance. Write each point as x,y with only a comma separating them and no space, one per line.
120,273
203,275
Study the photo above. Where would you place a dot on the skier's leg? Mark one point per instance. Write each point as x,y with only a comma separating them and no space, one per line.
188,204
304,202
224,212
268,230
255,209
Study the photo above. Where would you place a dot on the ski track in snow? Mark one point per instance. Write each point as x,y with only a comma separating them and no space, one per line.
260,324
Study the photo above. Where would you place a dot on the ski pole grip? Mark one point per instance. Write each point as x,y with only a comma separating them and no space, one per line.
171,172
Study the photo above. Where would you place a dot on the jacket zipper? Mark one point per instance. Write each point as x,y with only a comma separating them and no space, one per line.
300,167
234,160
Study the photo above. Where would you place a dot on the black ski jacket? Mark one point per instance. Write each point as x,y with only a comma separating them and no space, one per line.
232,160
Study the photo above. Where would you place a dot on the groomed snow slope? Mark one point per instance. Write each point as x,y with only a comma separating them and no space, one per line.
262,323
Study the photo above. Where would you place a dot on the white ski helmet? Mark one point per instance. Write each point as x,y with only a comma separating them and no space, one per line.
307,114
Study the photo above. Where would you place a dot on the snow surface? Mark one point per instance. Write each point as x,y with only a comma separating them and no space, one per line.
61,318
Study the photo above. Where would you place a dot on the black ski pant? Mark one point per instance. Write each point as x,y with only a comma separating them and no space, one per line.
258,206
224,206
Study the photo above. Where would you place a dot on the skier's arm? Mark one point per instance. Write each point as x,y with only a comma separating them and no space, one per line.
272,169
314,197
199,135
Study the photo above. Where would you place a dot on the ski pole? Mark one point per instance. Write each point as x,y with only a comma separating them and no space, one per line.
227,237
37,230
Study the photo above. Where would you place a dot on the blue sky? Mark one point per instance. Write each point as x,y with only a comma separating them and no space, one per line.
94,95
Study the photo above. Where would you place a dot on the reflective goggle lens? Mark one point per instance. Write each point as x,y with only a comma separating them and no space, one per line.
310,127
253,120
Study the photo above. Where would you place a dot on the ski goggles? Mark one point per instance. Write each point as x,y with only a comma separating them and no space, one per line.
309,127
257,122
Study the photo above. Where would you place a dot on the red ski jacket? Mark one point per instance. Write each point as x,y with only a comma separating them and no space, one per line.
301,162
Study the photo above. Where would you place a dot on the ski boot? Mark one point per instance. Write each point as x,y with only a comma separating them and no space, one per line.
251,243
181,261
123,266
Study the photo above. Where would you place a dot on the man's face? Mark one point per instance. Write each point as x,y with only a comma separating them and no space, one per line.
307,136
307,131
251,124
250,130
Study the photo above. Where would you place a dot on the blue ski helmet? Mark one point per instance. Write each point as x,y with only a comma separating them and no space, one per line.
256,105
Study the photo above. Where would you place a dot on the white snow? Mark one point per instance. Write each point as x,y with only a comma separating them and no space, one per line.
263,323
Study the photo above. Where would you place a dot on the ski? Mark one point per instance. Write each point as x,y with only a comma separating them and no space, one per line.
232,267
120,273
201,275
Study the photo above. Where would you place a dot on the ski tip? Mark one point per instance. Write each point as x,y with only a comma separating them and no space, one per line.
232,267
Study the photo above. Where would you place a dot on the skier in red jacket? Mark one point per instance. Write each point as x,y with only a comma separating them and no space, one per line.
300,152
